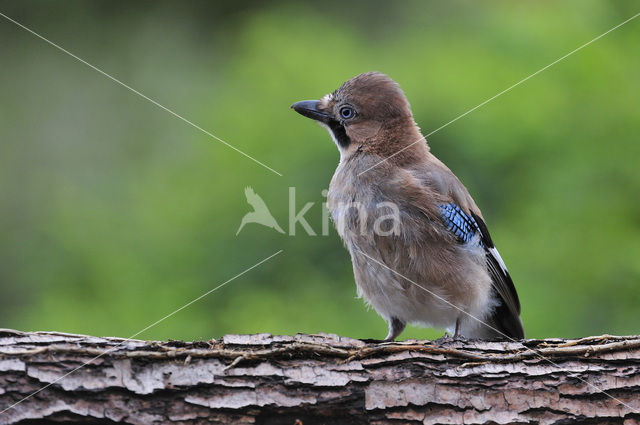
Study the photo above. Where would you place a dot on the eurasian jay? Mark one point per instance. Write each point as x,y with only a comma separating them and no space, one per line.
420,249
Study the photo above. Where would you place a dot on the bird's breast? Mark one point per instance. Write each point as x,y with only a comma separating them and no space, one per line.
361,203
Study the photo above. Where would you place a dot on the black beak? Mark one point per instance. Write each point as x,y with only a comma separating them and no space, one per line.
309,108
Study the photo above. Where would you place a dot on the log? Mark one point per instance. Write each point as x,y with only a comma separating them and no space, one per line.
52,377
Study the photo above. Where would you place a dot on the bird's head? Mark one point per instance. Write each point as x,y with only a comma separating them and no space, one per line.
368,112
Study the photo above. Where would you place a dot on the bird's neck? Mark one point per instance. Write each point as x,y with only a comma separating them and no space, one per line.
400,141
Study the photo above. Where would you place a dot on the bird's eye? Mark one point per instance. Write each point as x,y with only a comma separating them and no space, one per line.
347,112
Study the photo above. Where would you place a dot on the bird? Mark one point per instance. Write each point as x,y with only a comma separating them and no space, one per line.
260,213
434,264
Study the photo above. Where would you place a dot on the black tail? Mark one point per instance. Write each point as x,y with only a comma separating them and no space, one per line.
506,324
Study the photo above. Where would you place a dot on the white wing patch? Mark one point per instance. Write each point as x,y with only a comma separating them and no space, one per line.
497,256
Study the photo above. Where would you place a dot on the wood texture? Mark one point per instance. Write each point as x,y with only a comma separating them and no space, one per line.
317,379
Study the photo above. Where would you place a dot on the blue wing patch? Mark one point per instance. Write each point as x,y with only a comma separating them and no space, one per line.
464,226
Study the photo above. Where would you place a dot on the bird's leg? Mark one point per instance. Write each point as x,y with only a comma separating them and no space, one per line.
396,326
448,338
456,333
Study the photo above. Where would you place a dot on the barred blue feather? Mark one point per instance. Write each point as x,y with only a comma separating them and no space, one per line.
464,226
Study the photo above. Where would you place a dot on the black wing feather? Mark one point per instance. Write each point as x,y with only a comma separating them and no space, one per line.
506,317
507,313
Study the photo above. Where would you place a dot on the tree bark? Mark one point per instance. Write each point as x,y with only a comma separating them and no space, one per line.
316,379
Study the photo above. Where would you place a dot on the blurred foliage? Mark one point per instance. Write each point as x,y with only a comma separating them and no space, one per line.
114,213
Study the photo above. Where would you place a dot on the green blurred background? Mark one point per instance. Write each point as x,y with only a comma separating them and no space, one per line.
114,213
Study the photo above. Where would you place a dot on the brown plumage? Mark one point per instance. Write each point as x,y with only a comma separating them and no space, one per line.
422,267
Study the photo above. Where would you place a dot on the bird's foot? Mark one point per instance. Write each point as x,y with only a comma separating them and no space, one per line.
444,339
396,326
447,338
372,341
